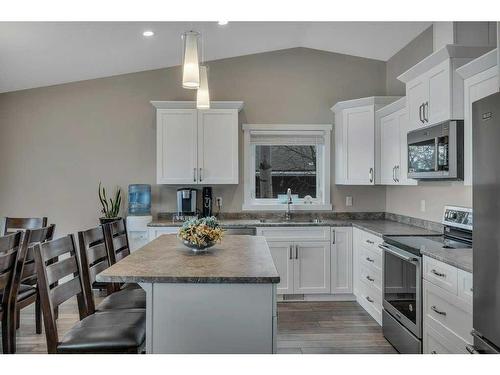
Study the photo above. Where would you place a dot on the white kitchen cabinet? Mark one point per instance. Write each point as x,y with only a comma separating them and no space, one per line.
155,232
480,80
391,145
197,146
355,139
447,308
311,270
434,90
282,254
302,258
341,261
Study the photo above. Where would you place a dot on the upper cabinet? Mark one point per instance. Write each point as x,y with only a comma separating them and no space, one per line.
480,80
391,152
434,90
355,139
196,146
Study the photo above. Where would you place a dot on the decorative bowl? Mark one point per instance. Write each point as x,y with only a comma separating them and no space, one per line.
197,248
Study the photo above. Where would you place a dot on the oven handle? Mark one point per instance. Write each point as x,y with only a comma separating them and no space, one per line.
399,255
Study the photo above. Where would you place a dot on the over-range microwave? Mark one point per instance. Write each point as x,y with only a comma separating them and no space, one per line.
437,151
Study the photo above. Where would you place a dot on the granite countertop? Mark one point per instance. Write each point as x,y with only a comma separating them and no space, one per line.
460,258
238,259
377,227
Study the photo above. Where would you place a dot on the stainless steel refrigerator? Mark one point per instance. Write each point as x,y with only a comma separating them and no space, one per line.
486,235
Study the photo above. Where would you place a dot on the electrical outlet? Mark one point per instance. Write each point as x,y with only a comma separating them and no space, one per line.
348,201
422,205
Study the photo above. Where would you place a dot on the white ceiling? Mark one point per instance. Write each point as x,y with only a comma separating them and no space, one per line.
47,53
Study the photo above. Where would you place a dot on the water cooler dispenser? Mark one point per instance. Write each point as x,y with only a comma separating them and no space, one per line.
139,215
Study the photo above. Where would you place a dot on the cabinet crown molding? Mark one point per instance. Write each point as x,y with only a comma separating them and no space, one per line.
447,52
482,63
392,107
169,104
371,100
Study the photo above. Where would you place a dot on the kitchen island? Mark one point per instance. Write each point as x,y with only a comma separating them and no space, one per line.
221,301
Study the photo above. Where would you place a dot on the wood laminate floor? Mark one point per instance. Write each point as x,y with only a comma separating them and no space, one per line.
303,327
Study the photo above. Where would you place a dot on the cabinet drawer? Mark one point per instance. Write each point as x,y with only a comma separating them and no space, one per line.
295,233
370,299
441,274
370,240
371,277
447,311
370,258
435,343
465,285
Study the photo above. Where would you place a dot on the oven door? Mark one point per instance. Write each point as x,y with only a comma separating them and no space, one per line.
402,287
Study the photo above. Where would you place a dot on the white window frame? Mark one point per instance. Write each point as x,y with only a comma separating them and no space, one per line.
322,200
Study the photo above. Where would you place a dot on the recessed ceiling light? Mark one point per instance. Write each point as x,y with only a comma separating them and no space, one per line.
148,33
222,23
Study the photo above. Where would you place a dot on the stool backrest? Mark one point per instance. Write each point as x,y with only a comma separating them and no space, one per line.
13,224
56,260
9,248
115,235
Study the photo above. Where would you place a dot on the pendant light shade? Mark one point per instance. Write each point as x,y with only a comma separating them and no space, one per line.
190,64
203,96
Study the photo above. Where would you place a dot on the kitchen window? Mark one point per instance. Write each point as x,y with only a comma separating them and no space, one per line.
278,157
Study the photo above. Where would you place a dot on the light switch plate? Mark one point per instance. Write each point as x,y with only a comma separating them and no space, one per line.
348,201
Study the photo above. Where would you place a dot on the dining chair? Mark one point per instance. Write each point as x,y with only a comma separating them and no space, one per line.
25,275
114,331
13,224
9,248
94,259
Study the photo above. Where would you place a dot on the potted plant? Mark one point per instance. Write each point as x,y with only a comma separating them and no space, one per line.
111,207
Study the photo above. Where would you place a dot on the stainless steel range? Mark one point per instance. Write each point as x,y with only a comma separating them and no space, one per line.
402,277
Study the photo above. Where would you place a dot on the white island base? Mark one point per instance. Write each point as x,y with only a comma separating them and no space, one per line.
210,318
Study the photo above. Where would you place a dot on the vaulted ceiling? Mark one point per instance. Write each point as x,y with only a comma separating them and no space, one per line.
47,53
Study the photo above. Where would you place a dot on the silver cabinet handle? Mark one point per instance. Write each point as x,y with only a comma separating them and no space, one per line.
434,308
370,260
433,352
296,251
201,179
370,278
370,242
194,174
426,111
370,174
290,256
438,273
420,113
471,289
394,173
369,299
397,173
334,237
471,349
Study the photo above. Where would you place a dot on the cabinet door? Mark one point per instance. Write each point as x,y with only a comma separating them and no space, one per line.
475,88
176,150
359,141
282,254
402,170
389,148
416,96
341,260
439,86
218,146
312,267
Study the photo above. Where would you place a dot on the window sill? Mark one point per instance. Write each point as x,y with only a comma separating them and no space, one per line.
283,207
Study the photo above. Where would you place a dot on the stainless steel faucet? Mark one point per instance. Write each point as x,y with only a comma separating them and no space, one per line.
288,215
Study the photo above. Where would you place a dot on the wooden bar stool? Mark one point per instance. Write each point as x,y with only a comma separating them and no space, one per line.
114,331
13,224
94,259
9,248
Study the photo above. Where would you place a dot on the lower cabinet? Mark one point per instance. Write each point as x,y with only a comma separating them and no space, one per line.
447,308
154,232
341,260
282,253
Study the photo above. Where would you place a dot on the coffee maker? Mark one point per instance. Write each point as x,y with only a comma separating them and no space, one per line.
207,201
186,202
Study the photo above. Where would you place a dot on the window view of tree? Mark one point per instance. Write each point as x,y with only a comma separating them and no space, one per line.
278,168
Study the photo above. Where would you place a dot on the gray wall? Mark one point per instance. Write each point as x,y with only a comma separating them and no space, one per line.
412,53
406,200
58,142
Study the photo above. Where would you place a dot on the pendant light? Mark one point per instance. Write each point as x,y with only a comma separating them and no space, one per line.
190,63
203,96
